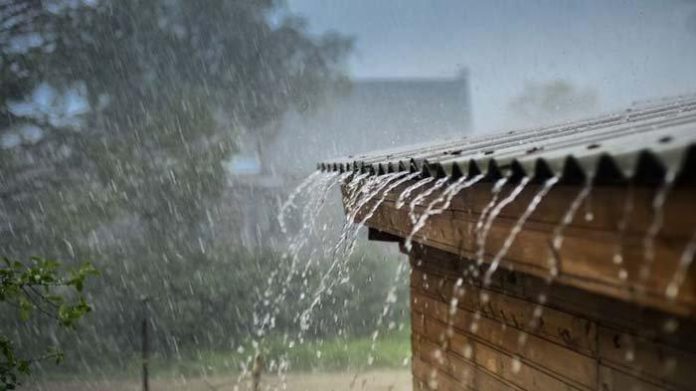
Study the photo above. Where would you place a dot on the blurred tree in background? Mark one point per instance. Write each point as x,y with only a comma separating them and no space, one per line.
553,100
116,119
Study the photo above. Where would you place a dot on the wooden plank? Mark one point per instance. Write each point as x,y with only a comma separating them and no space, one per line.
661,357
452,372
607,204
465,355
482,380
615,380
515,371
571,331
574,368
564,362
574,304
647,360
629,317
585,258
430,378
563,329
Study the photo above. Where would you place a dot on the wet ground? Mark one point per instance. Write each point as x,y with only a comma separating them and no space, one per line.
369,381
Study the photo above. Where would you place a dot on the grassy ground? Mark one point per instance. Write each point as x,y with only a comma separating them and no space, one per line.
335,355
316,365
374,380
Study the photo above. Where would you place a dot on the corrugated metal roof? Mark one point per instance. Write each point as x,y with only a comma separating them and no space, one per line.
641,144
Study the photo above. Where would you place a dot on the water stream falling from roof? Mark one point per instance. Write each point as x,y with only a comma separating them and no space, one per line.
364,194
417,200
685,261
290,202
554,261
315,188
388,304
533,204
313,192
309,215
653,230
444,201
478,230
374,185
401,200
480,254
622,226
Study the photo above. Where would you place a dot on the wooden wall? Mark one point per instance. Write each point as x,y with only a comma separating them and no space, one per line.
490,338
585,259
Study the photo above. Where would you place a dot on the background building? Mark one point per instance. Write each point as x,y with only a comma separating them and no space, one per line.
368,115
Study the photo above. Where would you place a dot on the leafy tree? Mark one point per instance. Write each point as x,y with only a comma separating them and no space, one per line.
39,286
552,100
116,120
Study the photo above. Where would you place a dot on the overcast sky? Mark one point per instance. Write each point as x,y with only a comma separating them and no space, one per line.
623,50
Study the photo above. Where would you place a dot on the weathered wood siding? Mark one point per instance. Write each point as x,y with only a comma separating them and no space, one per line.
490,338
585,259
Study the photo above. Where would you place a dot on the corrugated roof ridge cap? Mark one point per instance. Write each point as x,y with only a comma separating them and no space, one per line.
444,147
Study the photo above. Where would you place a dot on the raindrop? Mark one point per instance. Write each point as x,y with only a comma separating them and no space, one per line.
494,213
685,261
534,203
656,225
516,365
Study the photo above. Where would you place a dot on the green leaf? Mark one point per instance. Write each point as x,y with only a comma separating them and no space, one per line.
25,308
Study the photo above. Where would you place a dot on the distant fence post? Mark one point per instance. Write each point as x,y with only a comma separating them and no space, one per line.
145,347
256,371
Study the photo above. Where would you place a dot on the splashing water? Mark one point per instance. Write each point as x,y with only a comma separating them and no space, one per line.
389,301
354,189
290,202
377,184
445,199
317,188
383,184
386,192
350,234
422,196
374,185
309,216
533,204
685,261
401,200
314,190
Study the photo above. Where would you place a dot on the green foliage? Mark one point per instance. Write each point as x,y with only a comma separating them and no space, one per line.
340,354
139,178
38,286
555,99
170,84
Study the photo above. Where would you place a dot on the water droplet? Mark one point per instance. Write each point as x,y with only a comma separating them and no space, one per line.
630,355
623,274
670,326
468,351
516,365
